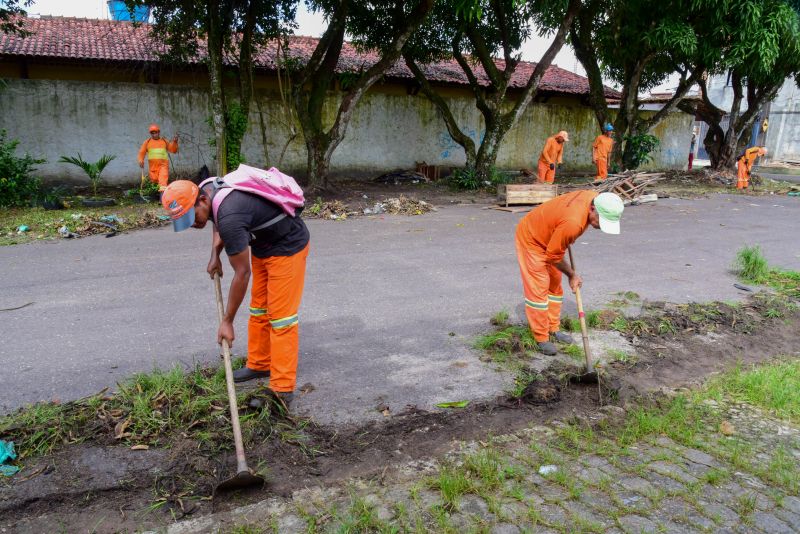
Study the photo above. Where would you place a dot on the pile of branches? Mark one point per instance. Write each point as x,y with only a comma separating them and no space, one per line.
639,180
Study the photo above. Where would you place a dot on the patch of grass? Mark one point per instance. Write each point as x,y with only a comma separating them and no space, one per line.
745,505
617,355
44,224
487,467
573,324
751,266
361,517
592,319
574,352
680,419
716,476
452,482
620,324
522,380
149,409
570,323
774,387
500,318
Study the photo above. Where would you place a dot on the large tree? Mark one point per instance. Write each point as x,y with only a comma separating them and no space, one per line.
637,44
229,29
313,80
475,35
758,46
12,16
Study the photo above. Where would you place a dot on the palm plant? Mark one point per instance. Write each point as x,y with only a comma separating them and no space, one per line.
92,170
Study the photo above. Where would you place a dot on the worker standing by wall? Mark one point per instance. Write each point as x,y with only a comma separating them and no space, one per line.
156,148
551,156
542,238
744,165
601,151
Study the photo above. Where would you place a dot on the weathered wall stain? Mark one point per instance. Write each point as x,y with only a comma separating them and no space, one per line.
390,129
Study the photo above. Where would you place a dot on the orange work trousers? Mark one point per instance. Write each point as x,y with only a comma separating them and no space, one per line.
541,282
602,169
742,175
273,333
546,174
159,172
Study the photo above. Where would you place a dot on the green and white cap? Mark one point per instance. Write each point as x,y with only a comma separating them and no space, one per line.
609,207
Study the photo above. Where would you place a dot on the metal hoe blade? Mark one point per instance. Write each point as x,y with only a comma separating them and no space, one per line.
243,479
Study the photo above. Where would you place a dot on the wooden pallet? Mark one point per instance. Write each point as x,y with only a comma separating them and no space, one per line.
526,194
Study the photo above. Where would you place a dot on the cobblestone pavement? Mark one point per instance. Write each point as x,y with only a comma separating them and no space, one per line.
740,474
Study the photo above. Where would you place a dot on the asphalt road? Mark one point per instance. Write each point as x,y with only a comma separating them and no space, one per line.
391,303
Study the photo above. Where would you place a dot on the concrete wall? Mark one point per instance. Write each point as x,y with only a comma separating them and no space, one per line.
783,134
390,129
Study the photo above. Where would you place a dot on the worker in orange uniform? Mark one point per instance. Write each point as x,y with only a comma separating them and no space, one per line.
744,164
259,239
601,151
156,150
542,238
551,156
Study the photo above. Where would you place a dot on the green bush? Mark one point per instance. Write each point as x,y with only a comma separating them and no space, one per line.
639,149
465,178
17,185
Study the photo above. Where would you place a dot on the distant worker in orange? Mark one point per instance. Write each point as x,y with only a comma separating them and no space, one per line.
601,151
156,150
551,156
542,238
744,164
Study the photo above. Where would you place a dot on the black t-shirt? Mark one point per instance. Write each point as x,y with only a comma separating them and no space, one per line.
240,211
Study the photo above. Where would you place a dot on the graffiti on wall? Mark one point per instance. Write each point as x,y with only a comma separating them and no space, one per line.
450,147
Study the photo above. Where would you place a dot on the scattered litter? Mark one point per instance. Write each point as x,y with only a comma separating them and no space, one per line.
335,210
163,217
743,288
398,177
65,233
140,447
726,428
406,206
76,216
7,453
644,199
364,196
548,469
23,228
377,209
307,388
453,404
794,193
111,219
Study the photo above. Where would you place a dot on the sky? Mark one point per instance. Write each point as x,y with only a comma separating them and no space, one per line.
311,24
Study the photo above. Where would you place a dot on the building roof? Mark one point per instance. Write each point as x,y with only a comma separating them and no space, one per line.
62,38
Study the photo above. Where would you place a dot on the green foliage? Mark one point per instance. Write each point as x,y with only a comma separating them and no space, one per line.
149,188
17,185
235,128
466,178
12,13
639,149
92,170
500,318
775,387
751,265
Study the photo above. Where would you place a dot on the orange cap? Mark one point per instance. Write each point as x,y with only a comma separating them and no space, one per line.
563,135
154,128
178,200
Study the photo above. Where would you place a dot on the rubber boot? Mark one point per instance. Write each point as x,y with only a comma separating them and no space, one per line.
561,337
547,348
245,373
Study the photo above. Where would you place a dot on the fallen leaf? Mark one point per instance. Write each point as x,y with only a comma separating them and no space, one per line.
453,404
386,412
727,428
119,429
140,447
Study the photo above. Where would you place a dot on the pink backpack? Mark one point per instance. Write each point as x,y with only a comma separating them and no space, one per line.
273,185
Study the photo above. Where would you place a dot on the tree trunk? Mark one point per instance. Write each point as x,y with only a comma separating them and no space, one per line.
215,47
318,163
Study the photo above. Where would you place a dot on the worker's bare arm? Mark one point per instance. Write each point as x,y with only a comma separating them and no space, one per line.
241,279
575,280
214,264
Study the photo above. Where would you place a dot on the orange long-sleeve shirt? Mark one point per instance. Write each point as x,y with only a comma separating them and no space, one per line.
602,147
555,225
159,146
552,151
750,156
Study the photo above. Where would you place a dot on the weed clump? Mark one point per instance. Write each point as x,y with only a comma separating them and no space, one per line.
751,266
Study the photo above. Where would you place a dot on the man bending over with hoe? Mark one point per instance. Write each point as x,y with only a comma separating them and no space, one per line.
256,220
542,238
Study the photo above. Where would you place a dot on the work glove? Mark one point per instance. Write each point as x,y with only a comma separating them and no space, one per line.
552,166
